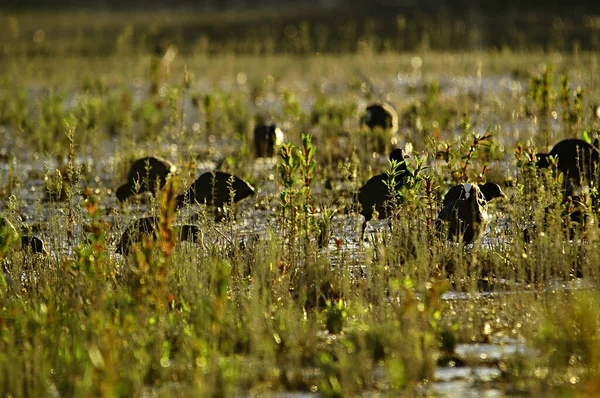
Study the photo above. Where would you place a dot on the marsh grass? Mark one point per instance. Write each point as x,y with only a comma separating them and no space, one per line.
281,295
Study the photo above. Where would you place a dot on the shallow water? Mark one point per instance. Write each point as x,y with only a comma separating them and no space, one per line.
257,216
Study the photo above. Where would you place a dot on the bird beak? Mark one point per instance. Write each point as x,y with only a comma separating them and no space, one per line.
406,156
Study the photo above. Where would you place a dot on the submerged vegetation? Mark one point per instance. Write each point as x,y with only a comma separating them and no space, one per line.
281,292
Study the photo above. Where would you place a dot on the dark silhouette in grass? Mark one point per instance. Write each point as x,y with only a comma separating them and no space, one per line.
267,137
215,189
9,237
375,194
380,115
147,226
577,159
380,122
464,217
33,244
489,190
147,172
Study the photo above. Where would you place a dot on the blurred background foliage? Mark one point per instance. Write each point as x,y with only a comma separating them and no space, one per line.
263,27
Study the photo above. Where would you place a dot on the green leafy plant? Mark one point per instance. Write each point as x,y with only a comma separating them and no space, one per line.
459,163
336,314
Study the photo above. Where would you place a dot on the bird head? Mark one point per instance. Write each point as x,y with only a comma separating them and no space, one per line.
399,155
542,160
492,191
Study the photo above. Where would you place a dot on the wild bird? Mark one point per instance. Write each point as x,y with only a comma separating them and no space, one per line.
380,115
465,217
489,190
380,123
375,194
9,237
147,227
33,244
267,137
147,174
215,188
577,159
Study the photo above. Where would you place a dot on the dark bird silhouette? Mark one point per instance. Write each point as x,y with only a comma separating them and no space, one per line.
149,172
147,226
28,243
380,122
215,189
267,137
489,190
33,244
375,193
577,159
466,218
134,233
380,115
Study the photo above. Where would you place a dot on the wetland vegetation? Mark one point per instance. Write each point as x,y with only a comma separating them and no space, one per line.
281,292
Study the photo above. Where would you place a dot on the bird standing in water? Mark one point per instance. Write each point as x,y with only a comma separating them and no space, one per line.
215,189
267,137
147,226
145,175
376,194
489,190
577,159
465,217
